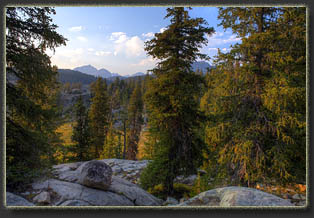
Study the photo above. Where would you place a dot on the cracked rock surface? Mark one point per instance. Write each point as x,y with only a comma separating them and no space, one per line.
93,183
236,196
66,189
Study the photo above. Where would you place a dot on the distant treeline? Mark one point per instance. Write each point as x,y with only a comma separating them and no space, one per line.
72,76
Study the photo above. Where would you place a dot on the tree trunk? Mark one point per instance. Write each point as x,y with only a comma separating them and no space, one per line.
124,139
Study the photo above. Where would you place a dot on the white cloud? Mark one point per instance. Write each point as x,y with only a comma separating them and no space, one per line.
81,38
75,29
130,46
67,58
50,52
220,38
226,49
102,53
232,38
163,29
146,62
134,46
116,35
216,35
90,49
148,35
121,39
72,52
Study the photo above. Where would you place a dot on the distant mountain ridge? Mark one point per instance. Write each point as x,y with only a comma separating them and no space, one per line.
88,74
89,69
104,73
201,66
73,76
135,74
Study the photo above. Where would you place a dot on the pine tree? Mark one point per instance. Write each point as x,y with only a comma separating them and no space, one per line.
170,98
98,114
31,111
123,115
109,150
118,147
81,131
256,97
135,119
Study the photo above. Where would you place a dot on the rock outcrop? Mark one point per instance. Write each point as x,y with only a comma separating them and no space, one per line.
42,198
235,196
95,174
91,184
126,169
170,202
68,189
15,200
188,180
68,193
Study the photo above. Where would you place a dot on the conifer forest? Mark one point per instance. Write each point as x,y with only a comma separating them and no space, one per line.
241,122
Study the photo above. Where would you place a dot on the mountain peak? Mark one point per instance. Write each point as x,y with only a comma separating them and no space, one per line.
91,70
201,66
104,73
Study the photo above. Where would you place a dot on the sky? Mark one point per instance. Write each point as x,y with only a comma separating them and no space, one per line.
113,37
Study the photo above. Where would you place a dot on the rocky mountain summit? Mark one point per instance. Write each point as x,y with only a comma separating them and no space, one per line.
114,182
89,69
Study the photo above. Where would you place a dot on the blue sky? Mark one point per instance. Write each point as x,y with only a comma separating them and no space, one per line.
113,37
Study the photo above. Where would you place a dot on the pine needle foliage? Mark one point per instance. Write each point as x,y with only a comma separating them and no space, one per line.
98,115
81,132
257,98
171,104
31,89
135,118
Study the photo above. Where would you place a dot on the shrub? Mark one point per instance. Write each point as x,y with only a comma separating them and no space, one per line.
152,175
180,191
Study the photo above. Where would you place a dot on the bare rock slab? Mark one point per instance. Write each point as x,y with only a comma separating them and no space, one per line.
71,175
75,203
66,191
42,198
236,196
15,200
170,202
134,193
126,169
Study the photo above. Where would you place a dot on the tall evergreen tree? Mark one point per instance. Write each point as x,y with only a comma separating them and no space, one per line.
135,119
123,115
256,99
98,114
81,131
109,150
171,99
31,112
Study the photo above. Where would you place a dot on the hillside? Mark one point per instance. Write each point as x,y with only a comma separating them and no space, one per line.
72,76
